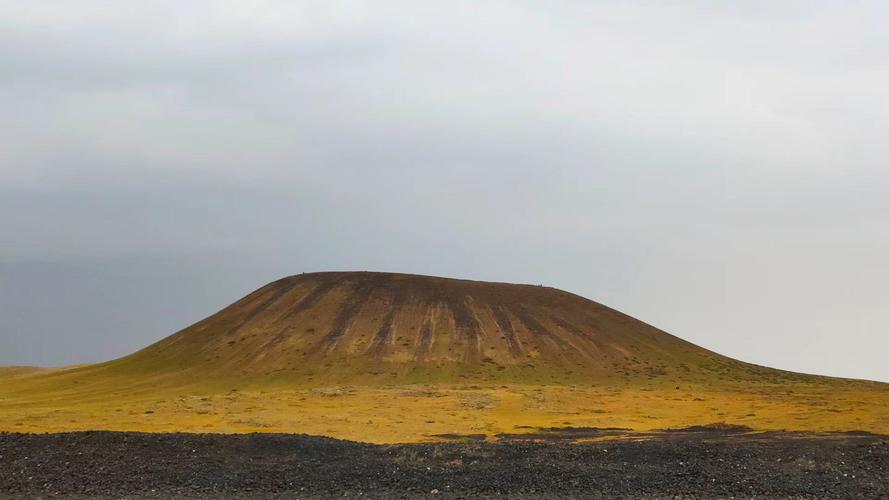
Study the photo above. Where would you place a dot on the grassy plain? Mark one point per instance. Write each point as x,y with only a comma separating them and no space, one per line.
55,401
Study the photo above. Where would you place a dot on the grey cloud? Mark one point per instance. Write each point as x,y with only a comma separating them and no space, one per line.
715,169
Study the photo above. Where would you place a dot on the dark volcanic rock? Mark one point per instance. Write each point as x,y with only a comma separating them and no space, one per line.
106,464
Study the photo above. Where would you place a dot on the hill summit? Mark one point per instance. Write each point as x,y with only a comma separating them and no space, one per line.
363,327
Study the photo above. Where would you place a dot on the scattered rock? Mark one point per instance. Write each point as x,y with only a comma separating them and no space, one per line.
669,465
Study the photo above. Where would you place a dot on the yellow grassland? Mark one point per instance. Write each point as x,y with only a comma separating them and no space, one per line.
54,402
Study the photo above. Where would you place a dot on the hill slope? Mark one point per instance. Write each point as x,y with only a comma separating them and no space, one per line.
367,328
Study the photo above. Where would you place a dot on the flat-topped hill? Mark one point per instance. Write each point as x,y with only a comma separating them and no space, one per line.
361,327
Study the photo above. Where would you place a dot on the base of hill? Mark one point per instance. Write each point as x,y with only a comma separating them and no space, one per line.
700,462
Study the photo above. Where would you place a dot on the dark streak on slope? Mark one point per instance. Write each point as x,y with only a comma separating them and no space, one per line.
304,303
351,307
424,343
384,335
280,288
466,324
505,326
310,299
537,328
571,328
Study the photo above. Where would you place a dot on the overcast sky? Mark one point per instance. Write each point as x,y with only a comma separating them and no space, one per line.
717,169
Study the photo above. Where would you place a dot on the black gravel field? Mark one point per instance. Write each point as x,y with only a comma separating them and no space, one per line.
666,465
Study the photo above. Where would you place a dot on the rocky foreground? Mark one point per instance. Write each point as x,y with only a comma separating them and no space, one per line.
686,464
